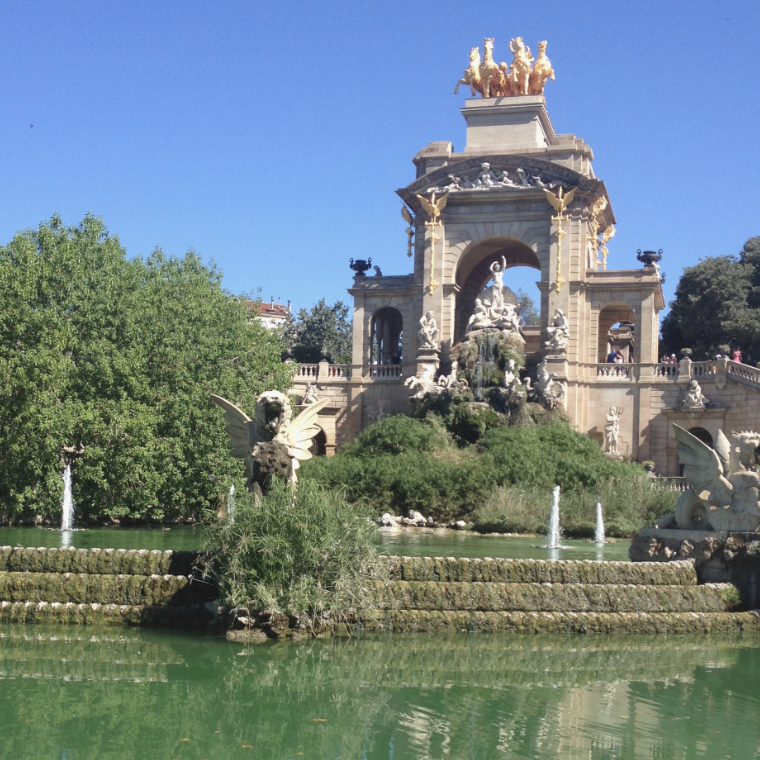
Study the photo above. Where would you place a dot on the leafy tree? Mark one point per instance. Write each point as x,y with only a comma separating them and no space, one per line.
119,356
717,303
323,331
526,309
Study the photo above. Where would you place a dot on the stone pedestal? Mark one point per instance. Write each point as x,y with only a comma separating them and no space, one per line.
507,124
718,556
427,358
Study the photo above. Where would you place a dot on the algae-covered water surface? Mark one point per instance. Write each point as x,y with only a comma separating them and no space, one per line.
82,694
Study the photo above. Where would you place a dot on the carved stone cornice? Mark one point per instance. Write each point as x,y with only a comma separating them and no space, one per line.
526,176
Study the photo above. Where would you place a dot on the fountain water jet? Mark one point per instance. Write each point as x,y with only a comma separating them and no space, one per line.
231,500
67,519
599,533
552,539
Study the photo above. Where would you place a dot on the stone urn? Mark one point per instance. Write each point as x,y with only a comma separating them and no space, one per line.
686,353
360,266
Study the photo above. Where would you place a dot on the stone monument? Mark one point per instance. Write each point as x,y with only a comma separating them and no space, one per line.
271,443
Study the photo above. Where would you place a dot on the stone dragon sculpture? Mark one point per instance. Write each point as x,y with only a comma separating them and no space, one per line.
271,443
725,482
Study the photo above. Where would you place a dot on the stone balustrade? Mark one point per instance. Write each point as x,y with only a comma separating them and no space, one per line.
743,372
384,371
322,372
679,485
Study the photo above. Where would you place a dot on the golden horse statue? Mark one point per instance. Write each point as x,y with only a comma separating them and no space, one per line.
489,71
521,66
542,70
471,75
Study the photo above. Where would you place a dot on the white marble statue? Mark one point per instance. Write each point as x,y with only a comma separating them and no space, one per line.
428,334
694,398
510,380
548,390
497,291
508,319
612,431
423,384
480,318
452,382
310,397
559,332
271,443
724,482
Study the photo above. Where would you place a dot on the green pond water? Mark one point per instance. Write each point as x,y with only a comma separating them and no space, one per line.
88,694
416,543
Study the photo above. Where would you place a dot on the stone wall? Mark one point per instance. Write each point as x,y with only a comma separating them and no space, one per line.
118,587
105,587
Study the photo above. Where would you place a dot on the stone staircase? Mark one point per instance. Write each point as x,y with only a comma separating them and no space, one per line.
569,596
104,587
154,588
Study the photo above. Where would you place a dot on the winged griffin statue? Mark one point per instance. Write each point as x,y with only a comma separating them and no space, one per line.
725,482
271,443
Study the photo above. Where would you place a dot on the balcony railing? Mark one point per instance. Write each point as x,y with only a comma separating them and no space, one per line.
385,371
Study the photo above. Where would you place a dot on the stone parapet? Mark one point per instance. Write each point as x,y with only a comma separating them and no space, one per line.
101,561
559,622
442,569
551,597
88,588
195,616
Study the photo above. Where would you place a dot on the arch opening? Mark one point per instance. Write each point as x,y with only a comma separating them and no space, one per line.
617,334
318,446
474,276
387,333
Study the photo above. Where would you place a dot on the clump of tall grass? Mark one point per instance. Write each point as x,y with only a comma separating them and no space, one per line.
302,553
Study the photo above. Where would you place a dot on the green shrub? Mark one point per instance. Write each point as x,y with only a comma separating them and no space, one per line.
504,482
398,434
302,553
471,421
444,487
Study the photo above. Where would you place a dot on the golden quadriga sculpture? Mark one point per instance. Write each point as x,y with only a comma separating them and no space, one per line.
526,75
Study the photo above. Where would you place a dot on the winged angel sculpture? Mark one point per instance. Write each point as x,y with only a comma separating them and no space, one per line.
271,443
725,482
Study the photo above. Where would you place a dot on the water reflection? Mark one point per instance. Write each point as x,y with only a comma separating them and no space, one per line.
113,693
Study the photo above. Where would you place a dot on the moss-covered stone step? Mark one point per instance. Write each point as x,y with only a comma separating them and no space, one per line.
450,569
559,622
99,561
551,597
198,616
87,588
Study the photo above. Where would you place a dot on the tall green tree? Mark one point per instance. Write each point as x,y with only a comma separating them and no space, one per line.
717,303
320,332
119,356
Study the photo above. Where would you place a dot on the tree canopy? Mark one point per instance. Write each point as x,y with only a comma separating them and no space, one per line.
717,303
320,332
119,356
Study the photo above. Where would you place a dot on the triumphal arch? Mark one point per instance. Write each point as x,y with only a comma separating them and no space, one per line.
518,194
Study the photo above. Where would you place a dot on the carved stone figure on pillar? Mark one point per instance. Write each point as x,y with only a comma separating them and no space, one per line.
559,332
428,334
310,397
612,431
694,398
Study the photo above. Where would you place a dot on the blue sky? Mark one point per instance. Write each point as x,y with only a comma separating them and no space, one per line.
271,137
